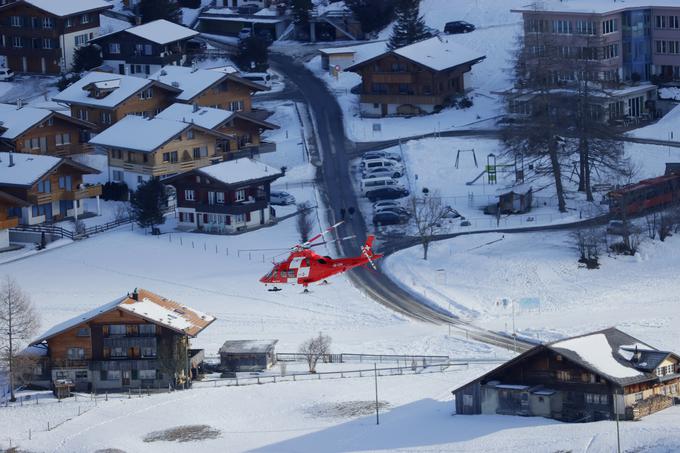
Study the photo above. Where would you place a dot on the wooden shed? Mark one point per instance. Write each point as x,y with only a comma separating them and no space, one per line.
247,355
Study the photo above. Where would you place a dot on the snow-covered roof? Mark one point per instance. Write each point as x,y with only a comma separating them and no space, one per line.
63,8
667,128
162,31
28,168
439,53
139,134
108,84
128,86
239,171
595,6
361,52
206,117
242,19
147,305
247,346
228,69
191,81
15,121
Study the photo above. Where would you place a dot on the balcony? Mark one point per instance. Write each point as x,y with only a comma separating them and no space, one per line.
84,192
236,208
9,223
40,198
69,363
392,77
401,99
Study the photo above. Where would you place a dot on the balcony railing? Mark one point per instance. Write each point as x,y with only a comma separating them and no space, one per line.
9,223
69,363
85,192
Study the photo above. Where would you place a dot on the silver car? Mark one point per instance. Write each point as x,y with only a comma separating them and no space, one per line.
281,198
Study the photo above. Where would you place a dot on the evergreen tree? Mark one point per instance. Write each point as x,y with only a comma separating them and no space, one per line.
148,203
373,15
86,58
410,27
252,50
151,10
301,10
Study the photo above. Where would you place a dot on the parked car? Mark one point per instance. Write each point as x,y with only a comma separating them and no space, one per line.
378,183
395,209
387,193
382,172
281,198
248,8
387,204
382,163
263,78
6,75
380,155
457,27
245,33
389,218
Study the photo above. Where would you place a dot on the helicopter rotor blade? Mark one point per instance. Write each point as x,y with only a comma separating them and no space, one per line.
331,242
326,231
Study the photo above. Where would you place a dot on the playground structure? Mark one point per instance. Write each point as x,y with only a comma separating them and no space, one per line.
492,168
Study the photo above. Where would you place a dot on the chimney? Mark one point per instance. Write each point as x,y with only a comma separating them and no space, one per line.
11,159
20,103
135,295
195,108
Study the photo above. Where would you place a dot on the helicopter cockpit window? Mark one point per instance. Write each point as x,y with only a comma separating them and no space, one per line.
282,273
321,261
307,263
291,274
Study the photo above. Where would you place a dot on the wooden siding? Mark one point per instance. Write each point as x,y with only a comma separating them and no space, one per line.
45,132
223,94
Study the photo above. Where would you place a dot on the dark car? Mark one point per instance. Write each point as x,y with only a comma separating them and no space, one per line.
457,27
389,218
248,9
387,193
196,46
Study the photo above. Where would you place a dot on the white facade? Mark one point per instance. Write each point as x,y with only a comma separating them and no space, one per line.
140,70
375,110
28,218
217,223
131,178
4,238
68,44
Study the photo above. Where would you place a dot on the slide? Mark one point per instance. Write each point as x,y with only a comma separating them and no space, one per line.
469,183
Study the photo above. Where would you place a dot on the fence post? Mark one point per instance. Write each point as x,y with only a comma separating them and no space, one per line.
106,395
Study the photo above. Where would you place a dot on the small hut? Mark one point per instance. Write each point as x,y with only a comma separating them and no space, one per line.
247,355
516,201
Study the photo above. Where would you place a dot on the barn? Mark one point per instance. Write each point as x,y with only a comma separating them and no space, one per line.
247,355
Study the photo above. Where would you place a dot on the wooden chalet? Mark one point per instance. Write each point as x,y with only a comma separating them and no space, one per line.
210,88
141,148
144,49
33,130
423,77
140,340
41,36
244,129
247,355
592,377
103,99
227,198
50,187
10,212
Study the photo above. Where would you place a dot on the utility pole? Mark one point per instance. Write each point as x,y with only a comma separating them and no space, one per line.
377,411
514,333
618,435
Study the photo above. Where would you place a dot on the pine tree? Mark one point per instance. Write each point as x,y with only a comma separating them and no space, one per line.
148,203
373,15
301,10
410,27
86,58
151,10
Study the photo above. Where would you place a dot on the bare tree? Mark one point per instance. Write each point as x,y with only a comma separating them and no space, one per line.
305,223
428,216
666,224
651,220
314,349
589,241
18,324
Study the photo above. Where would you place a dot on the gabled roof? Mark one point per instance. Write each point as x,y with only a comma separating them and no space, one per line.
160,31
206,117
592,7
12,200
437,54
29,168
248,346
141,134
64,8
193,82
239,171
148,306
16,121
604,353
128,86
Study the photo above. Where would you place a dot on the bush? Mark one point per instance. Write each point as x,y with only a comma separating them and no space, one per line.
465,103
66,81
115,191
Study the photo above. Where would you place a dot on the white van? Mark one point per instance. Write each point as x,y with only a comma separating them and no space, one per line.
377,183
263,78
382,163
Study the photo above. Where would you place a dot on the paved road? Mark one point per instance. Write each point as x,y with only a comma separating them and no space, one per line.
327,117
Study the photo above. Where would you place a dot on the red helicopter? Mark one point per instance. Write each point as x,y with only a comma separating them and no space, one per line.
304,266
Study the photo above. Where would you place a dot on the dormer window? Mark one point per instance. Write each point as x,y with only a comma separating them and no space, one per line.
85,19
114,47
47,22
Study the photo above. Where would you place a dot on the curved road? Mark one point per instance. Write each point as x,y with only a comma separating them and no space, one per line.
338,193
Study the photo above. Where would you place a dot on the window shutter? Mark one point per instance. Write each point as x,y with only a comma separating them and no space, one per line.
228,220
247,216
205,218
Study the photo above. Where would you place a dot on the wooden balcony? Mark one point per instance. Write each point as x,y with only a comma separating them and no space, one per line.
9,223
393,77
401,99
40,198
85,192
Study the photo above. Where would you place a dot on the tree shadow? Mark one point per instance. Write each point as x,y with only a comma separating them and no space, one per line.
422,423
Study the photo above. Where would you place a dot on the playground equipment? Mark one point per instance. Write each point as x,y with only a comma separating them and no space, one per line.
474,156
492,168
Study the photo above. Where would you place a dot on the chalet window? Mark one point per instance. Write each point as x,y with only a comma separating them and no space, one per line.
563,375
65,183
63,139
467,400
105,117
604,399
200,152
190,134
147,330
147,374
198,179
589,398
398,67
17,41
69,22
118,351
117,175
220,198
236,106
44,186
140,178
240,195
146,94
75,353
561,26
239,218
117,329
170,157
189,195
379,88
80,40
16,21
83,332
47,22
85,19
148,49
609,26
83,114
61,375
211,197
111,375
149,351
81,375
638,396
139,48
47,43
114,47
